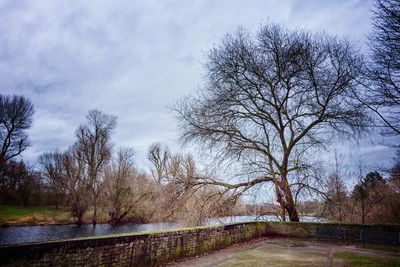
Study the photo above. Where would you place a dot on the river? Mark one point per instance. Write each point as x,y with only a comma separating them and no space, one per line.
28,234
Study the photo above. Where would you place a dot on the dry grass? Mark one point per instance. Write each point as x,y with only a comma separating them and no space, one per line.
19,215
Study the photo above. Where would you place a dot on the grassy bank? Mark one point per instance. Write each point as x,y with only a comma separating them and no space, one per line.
356,259
20,215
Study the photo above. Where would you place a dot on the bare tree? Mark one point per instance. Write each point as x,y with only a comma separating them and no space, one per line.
182,169
66,171
337,199
117,188
175,196
122,180
270,100
95,146
53,170
337,204
158,158
16,114
21,184
78,183
383,90
194,204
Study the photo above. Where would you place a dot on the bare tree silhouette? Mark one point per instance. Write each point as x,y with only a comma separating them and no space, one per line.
270,99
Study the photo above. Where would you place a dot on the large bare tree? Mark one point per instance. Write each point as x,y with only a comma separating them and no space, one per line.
66,174
16,114
383,87
94,144
271,99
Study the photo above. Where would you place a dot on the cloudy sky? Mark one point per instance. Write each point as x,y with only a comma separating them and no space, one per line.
133,59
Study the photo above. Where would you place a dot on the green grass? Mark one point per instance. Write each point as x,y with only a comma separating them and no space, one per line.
34,215
354,259
16,211
20,215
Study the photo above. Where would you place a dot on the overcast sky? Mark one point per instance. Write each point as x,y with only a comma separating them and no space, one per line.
133,59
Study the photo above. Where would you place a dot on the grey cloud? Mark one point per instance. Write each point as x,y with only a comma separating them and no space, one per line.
132,59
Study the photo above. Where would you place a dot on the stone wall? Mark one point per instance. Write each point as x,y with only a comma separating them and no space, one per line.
144,249
308,229
157,248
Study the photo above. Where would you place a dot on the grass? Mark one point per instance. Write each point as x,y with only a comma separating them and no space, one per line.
33,215
355,259
20,215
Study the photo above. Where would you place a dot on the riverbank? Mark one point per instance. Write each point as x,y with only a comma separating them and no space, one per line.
11,215
47,215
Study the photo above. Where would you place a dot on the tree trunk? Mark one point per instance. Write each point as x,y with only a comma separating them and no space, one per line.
362,211
352,212
95,196
79,220
57,198
280,201
292,211
288,201
2,165
94,221
117,219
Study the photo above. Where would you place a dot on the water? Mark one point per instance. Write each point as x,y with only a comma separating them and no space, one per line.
240,219
28,234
